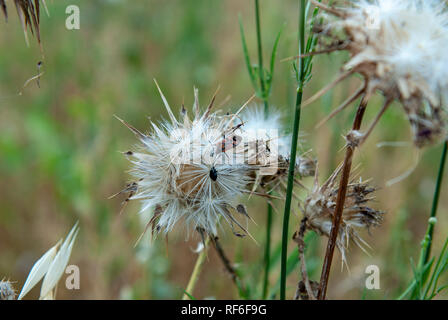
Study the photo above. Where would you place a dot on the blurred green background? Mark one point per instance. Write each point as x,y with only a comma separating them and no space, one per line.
60,148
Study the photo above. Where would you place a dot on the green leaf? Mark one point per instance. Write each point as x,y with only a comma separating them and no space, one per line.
250,69
189,295
272,65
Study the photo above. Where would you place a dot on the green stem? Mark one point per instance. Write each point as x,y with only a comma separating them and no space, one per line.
292,162
196,271
267,250
427,241
267,253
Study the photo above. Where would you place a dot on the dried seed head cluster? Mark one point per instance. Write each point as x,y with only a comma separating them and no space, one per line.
7,291
255,119
320,204
305,167
195,170
399,47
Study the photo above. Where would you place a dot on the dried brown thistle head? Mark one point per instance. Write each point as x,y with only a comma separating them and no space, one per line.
319,206
305,167
396,56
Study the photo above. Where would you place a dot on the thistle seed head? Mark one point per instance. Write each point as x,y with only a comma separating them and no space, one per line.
195,169
320,205
255,120
7,291
396,56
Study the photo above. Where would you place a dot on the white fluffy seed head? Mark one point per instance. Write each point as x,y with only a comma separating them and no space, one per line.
399,46
191,169
180,170
196,169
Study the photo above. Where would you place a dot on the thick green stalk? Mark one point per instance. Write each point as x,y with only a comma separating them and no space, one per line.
292,163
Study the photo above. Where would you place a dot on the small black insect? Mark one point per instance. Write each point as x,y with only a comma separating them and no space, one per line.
213,174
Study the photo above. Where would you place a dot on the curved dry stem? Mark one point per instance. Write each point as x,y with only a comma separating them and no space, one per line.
315,53
344,105
342,192
299,237
333,11
386,105
228,265
323,91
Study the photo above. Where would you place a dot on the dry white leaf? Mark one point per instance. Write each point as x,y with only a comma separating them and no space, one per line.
58,265
50,266
39,269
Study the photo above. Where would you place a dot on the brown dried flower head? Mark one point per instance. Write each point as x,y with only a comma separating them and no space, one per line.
320,204
279,146
395,55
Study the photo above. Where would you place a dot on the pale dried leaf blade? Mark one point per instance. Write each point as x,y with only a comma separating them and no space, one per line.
59,264
46,8
39,269
48,297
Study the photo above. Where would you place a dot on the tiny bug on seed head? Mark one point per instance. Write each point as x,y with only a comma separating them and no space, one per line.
213,174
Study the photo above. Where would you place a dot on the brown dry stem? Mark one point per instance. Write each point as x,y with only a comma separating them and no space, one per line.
299,239
227,264
342,192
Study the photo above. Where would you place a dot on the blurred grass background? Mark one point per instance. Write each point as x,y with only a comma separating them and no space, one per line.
60,148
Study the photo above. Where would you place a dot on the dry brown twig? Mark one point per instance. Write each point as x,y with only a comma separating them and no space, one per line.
227,264
342,192
309,293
